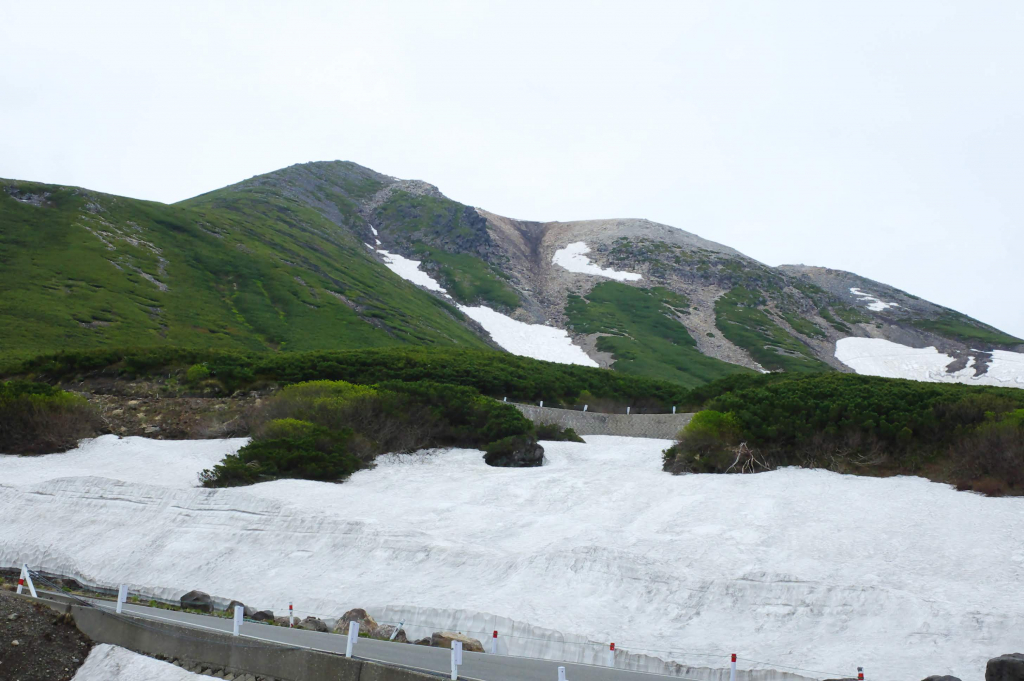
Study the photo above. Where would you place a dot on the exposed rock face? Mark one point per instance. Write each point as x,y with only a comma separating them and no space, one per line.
1008,667
312,624
443,639
197,600
366,623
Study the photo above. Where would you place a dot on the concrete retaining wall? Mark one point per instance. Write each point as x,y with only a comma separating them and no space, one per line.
662,426
215,652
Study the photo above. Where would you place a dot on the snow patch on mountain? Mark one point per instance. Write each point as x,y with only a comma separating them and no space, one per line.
874,303
410,271
879,357
574,258
805,568
538,341
529,340
112,663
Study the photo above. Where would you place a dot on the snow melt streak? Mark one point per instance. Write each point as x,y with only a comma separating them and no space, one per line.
879,357
797,567
574,258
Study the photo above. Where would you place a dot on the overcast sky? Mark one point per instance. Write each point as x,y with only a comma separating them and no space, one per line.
877,137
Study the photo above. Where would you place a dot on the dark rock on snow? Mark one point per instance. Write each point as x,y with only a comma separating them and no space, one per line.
941,678
262,615
1008,667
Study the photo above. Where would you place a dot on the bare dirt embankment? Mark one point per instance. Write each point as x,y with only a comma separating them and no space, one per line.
36,643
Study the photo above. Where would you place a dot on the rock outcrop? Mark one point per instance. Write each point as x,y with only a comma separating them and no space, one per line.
313,624
366,623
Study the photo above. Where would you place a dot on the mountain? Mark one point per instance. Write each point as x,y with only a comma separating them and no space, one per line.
334,255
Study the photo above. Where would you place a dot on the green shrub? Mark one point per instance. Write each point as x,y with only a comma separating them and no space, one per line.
197,373
551,431
309,452
36,418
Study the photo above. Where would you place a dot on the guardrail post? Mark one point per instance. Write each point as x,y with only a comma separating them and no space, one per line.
542,403
494,643
585,407
122,597
456,658
237,624
627,410
561,674
353,634
611,655
26,579
673,409
732,668
397,629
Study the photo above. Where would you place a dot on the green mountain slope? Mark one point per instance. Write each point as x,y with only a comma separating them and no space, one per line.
253,270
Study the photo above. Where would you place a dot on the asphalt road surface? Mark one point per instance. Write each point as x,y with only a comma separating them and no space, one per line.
476,666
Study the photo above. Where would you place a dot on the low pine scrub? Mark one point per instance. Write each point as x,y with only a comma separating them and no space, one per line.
971,436
326,430
36,418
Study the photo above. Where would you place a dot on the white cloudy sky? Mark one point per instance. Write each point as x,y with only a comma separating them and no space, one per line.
879,137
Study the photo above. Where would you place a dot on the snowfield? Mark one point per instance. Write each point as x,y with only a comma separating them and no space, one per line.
795,567
538,341
112,663
879,357
574,258
874,304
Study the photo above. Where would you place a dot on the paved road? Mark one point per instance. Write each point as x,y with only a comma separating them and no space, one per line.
475,667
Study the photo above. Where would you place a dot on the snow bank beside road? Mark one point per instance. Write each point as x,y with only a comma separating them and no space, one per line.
878,357
112,663
797,567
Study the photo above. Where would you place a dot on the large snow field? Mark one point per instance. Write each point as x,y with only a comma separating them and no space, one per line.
795,567
574,259
538,341
879,357
112,663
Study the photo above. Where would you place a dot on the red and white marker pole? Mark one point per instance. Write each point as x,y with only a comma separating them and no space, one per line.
494,643
860,673
291,616
26,579
732,668
611,655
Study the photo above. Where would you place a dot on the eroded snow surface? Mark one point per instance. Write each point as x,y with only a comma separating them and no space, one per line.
574,258
795,567
879,357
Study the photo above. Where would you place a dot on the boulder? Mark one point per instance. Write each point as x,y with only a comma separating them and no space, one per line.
197,600
312,624
936,677
262,615
366,623
385,631
1005,668
281,621
443,639
422,642
514,452
247,612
